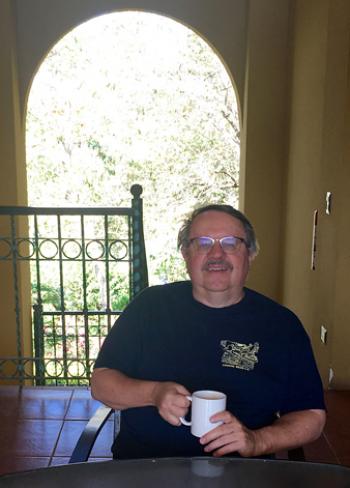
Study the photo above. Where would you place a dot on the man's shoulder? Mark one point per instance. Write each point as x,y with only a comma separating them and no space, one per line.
265,303
163,298
175,289
279,318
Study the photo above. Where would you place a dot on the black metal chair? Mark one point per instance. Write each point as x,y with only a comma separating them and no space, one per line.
90,433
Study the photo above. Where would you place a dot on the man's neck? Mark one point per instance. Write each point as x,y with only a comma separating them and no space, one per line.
217,299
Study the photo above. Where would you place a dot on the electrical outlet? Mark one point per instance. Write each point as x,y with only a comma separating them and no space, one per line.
323,334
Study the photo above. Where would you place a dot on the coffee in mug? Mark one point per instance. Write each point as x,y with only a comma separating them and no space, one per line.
205,403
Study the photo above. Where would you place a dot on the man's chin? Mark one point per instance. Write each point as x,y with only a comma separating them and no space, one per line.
217,285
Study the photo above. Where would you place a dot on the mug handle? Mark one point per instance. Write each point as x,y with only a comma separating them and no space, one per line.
182,419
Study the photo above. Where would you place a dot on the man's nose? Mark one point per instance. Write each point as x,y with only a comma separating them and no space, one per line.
216,250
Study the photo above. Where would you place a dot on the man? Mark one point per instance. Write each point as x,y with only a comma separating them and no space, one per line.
210,333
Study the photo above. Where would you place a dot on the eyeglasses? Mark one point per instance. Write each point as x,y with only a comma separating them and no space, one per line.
229,244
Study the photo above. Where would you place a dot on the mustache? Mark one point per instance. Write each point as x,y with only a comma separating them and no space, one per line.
216,262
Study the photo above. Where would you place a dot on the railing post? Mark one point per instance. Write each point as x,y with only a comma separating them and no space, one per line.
139,266
20,366
39,344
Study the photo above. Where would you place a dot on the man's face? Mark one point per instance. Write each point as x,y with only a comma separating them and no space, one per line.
217,277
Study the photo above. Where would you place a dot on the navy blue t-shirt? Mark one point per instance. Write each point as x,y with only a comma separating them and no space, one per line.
257,352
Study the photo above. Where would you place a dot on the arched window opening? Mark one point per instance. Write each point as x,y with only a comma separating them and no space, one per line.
134,97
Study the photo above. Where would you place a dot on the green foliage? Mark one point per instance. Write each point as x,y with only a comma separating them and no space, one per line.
50,295
120,295
172,268
72,294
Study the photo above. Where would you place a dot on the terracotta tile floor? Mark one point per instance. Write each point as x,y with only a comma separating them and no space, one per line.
39,427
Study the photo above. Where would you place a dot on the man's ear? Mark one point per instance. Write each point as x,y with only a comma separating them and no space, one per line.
251,257
184,252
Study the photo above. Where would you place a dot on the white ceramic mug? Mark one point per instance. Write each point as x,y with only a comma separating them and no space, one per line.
205,403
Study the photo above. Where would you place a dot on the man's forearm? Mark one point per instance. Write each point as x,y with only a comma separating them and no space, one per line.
291,430
115,389
119,391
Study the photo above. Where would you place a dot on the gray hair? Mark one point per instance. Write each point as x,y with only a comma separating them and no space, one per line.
183,240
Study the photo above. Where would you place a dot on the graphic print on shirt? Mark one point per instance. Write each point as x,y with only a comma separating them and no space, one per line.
240,356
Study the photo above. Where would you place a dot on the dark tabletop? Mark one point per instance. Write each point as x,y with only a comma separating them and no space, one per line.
185,472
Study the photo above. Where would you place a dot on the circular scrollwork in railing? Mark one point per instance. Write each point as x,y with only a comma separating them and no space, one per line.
118,250
26,368
54,368
5,248
95,249
25,248
11,367
91,363
48,249
71,249
16,368
76,368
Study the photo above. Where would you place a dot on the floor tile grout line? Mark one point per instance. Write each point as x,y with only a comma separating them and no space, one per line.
69,404
61,429
331,448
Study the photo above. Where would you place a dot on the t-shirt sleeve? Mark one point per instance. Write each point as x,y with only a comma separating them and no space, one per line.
304,388
122,346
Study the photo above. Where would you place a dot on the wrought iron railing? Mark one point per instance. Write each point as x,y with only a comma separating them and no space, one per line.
80,266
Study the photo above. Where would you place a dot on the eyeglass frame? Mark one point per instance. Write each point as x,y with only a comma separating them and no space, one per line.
219,240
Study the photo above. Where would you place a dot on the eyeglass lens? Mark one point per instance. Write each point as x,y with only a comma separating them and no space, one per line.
228,244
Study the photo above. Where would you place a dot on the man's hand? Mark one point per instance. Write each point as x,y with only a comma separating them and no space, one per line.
290,430
171,401
231,436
